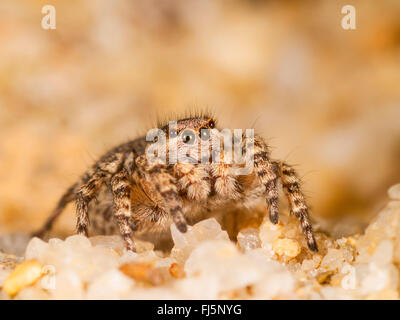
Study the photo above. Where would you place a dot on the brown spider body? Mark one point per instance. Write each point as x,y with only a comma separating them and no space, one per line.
137,196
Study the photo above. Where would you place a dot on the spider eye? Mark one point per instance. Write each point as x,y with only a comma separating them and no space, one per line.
188,137
211,124
204,134
173,133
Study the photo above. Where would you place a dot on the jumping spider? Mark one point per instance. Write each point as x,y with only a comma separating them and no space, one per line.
138,196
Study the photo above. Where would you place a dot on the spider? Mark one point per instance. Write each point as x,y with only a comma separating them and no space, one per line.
138,194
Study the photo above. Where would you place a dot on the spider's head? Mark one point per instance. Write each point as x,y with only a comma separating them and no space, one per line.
189,129
191,134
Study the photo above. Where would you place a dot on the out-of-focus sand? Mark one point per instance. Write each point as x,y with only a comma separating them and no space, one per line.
326,99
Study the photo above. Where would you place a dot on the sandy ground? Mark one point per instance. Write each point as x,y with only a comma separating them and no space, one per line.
267,262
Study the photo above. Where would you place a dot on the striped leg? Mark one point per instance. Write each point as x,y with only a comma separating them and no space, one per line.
161,185
298,205
85,194
268,173
121,190
92,180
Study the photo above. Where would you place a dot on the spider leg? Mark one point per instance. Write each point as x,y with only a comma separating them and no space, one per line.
121,190
101,214
268,173
163,186
298,205
67,197
86,194
107,166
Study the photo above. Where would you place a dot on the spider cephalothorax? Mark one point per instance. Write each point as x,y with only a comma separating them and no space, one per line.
145,191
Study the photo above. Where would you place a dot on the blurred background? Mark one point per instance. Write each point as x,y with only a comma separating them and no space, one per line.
325,98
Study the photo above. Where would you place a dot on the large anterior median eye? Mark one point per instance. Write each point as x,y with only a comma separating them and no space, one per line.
188,137
204,134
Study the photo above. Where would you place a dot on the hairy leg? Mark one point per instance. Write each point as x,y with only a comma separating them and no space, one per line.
101,214
226,185
160,186
121,190
268,173
193,180
93,179
298,205
85,194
